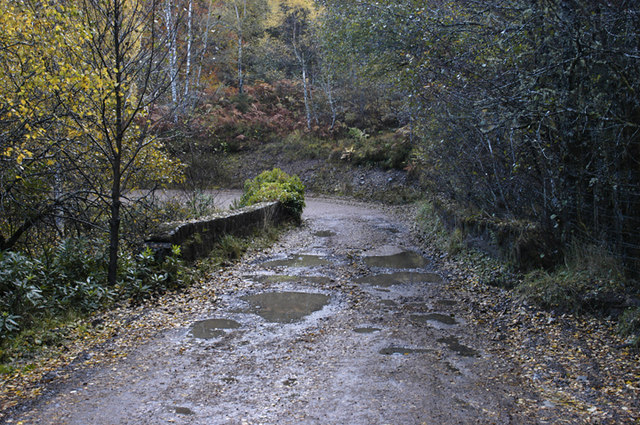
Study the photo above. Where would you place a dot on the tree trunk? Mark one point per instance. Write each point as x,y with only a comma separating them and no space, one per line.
306,93
188,64
240,77
205,44
118,138
239,29
173,55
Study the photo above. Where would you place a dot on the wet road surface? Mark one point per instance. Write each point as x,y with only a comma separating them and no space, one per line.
344,321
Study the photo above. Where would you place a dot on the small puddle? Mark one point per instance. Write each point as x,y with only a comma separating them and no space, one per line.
446,303
366,330
299,261
399,278
454,345
402,350
435,317
183,410
212,328
285,307
290,382
388,303
324,234
286,278
403,260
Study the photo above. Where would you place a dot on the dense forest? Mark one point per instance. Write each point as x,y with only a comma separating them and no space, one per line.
522,112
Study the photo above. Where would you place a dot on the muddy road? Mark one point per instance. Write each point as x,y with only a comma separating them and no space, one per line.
343,321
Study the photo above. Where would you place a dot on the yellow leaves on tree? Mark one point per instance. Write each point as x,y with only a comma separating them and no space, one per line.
36,76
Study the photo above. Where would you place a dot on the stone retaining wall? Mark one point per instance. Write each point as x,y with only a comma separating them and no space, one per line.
197,237
525,244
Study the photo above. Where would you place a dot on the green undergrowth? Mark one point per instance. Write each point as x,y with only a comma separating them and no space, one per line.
142,280
386,150
231,249
590,281
72,278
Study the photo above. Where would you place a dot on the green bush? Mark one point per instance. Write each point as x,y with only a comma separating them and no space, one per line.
72,278
386,150
275,185
143,276
590,281
21,296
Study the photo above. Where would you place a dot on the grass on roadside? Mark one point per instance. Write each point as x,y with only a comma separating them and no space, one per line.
591,281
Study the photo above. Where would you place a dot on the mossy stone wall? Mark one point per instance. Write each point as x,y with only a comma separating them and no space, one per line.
197,237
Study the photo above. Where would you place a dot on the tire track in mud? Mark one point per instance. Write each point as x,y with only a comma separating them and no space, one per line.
344,321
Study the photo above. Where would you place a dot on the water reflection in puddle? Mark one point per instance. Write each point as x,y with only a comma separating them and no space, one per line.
454,345
183,410
324,234
285,278
299,261
403,350
385,280
403,260
435,317
366,330
285,307
212,328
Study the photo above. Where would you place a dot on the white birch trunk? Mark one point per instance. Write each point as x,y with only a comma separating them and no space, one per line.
187,71
171,35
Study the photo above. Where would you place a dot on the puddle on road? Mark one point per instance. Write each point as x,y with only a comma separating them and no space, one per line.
304,260
454,345
285,307
434,317
403,350
285,279
229,380
388,303
446,303
324,234
366,330
385,280
212,328
290,382
402,260
183,410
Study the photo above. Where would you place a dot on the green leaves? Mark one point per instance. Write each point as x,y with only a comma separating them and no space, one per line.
275,185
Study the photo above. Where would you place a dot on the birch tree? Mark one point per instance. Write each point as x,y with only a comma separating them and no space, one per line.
124,49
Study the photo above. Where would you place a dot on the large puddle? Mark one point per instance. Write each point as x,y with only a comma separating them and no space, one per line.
303,260
454,345
212,328
385,280
434,317
402,260
285,307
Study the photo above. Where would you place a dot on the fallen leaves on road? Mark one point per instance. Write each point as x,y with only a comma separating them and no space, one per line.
580,369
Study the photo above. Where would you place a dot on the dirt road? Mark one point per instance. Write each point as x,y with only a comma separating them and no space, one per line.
344,321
